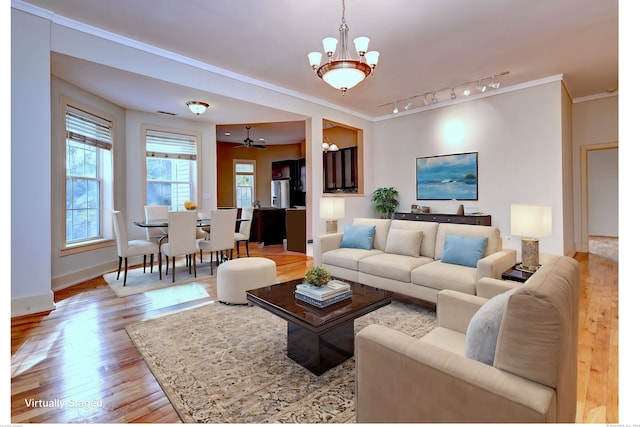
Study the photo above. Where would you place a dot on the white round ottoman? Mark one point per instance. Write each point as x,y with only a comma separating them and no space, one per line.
239,275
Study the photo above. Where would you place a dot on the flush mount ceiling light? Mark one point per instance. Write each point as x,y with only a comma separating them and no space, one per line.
197,107
342,71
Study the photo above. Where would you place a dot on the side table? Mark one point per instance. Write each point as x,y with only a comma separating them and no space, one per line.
516,275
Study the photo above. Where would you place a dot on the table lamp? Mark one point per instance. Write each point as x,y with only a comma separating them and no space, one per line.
531,222
332,209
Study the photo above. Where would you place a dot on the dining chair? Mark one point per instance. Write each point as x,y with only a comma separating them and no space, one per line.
221,237
244,231
156,213
182,241
128,248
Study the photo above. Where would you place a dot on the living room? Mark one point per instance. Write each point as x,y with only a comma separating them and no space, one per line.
531,133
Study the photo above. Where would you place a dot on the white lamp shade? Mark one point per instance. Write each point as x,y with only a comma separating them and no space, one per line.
314,59
362,44
331,208
329,44
531,221
372,57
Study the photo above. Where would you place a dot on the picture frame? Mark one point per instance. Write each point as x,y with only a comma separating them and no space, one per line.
447,177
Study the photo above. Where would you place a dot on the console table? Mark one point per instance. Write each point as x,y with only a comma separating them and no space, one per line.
452,218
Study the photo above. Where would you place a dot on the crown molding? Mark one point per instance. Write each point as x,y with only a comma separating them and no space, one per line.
594,97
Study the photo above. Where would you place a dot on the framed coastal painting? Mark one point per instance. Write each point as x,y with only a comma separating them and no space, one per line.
447,177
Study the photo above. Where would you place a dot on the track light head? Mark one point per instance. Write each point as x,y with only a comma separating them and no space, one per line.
406,106
395,108
466,91
453,94
433,98
494,84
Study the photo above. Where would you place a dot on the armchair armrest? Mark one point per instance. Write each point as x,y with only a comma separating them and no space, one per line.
324,243
400,379
455,309
488,287
493,265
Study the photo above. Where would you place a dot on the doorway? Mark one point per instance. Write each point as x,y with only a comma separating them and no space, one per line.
599,182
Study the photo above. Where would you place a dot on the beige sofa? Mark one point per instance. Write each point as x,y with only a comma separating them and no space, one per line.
406,257
533,377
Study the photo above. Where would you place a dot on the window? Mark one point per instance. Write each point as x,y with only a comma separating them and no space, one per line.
244,172
89,173
171,168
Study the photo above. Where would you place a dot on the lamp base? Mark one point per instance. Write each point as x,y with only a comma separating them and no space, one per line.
332,226
530,257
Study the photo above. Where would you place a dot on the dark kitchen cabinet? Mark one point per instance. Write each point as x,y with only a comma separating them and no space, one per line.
341,170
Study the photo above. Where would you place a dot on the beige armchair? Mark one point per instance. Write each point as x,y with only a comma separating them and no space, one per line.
533,376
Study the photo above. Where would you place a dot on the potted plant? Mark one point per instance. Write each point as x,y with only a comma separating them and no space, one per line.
385,201
317,276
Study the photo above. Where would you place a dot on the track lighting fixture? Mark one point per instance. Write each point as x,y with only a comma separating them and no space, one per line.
466,87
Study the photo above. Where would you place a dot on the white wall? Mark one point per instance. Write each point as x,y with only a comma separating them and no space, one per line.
595,123
30,165
603,192
518,136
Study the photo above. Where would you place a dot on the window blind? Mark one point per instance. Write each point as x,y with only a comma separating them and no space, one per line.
171,145
88,129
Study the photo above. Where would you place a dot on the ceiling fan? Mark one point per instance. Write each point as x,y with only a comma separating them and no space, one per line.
248,142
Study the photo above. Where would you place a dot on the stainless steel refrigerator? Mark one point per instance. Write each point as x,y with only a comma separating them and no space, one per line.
280,193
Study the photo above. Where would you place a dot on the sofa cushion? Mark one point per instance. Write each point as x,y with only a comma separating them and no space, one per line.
429,233
382,229
494,242
482,332
439,275
404,242
392,266
347,257
358,237
463,250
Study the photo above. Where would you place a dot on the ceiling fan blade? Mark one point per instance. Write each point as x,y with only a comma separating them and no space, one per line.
259,146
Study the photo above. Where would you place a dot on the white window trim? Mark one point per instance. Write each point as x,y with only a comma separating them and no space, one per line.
254,174
143,137
108,192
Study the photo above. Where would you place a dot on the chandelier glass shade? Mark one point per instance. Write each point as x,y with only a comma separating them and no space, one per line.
342,71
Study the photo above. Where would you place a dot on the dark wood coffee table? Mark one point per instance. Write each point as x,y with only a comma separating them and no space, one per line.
319,338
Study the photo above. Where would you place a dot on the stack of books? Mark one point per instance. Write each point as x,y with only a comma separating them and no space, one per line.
321,297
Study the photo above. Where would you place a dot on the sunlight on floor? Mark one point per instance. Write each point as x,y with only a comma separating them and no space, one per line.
173,295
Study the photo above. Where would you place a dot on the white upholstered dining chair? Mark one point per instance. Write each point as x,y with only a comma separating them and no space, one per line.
156,213
244,231
221,236
128,248
182,241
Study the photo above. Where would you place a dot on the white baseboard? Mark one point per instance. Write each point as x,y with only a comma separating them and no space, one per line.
62,282
33,304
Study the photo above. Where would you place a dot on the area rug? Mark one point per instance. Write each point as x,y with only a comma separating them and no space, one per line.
140,282
228,364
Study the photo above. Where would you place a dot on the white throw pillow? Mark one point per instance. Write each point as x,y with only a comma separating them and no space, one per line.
483,329
404,242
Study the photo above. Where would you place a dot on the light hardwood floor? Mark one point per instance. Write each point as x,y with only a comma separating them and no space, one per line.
81,353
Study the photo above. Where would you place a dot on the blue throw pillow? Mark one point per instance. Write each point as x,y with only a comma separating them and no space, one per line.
358,236
463,250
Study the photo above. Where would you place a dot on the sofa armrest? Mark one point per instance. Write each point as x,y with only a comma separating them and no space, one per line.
489,287
495,264
400,379
324,243
455,309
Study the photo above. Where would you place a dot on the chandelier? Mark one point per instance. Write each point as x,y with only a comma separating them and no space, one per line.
342,71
